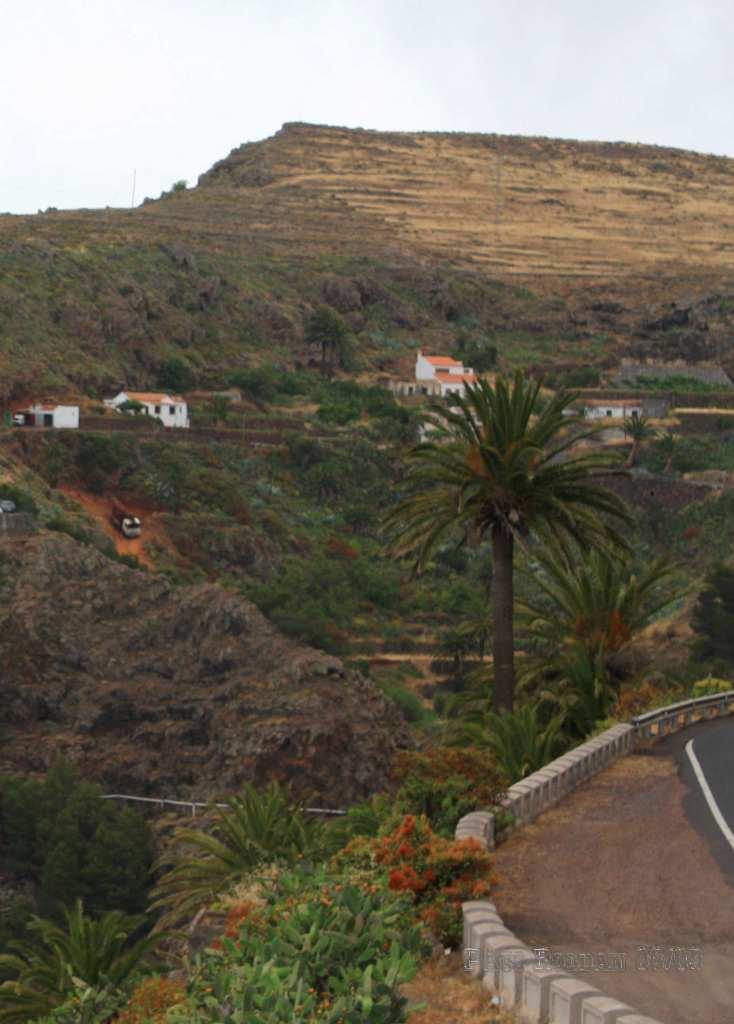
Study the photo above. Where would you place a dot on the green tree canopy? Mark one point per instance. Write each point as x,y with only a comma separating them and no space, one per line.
713,617
326,329
501,466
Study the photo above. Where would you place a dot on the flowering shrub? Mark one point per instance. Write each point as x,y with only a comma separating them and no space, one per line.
445,784
238,914
709,686
438,873
636,701
150,1002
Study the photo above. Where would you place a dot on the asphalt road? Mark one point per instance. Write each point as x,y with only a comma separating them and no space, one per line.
706,765
634,859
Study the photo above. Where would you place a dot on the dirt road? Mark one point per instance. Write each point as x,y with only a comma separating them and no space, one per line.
100,506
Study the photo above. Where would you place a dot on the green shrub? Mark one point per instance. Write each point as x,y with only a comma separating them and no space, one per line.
24,502
255,828
321,951
675,382
445,783
99,457
713,617
409,703
175,375
478,353
709,687
61,836
260,383
62,524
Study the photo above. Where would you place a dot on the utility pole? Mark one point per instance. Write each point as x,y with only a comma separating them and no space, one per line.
498,189
132,201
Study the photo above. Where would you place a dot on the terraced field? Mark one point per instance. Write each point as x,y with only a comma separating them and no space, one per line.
525,207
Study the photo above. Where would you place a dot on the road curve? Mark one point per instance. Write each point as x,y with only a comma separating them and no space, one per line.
634,859
706,765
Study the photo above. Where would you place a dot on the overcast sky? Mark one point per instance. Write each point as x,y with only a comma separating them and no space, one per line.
92,90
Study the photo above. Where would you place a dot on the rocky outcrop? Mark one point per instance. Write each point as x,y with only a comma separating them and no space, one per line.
165,690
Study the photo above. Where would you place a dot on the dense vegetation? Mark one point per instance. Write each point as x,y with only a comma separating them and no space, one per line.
299,529
60,841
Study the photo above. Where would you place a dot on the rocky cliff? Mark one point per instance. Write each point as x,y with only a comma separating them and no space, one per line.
158,690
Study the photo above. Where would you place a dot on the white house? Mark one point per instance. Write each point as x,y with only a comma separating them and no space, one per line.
171,410
448,376
435,375
48,415
612,408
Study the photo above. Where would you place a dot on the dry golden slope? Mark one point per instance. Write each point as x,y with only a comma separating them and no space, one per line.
530,207
525,206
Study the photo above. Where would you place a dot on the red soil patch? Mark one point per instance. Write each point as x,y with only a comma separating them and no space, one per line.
99,506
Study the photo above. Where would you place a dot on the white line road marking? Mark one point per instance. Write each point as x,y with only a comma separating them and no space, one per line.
713,806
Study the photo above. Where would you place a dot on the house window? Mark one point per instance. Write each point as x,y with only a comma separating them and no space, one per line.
609,412
158,410
172,410
424,391
634,414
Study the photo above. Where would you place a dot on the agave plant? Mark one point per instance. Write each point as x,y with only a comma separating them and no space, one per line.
256,828
99,953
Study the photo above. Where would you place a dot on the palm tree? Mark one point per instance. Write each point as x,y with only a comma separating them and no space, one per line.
584,615
96,952
255,829
638,429
592,601
581,693
498,466
326,329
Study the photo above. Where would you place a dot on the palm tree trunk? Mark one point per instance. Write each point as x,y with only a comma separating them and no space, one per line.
503,639
632,457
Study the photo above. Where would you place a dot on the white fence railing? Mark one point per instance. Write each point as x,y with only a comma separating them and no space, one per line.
193,805
676,716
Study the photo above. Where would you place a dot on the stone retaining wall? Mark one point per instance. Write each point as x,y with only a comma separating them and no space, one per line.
17,523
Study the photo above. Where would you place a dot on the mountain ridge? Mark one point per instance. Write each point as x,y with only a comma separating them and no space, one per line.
413,237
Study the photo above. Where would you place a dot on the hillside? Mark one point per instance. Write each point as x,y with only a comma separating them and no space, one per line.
558,251
163,690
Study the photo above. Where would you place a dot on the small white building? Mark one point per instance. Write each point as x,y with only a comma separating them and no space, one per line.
436,375
171,410
449,374
612,408
49,415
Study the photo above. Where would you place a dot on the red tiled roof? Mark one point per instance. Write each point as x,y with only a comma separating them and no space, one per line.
442,361
452,378
155,397
614,401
